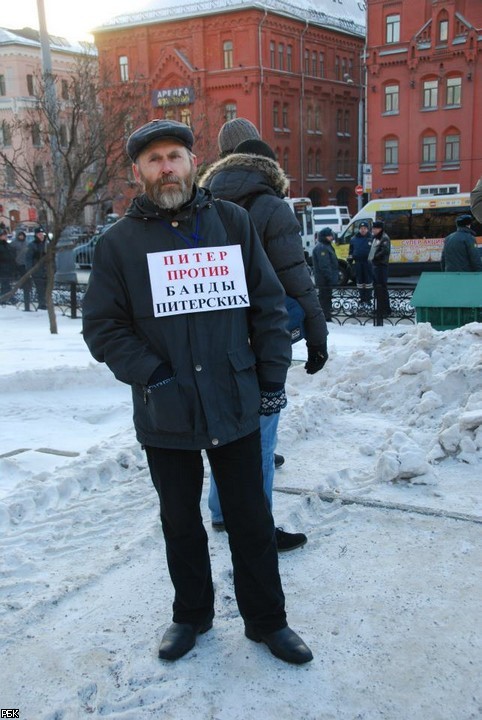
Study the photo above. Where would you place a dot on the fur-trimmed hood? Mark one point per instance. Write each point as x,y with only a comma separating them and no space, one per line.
239,176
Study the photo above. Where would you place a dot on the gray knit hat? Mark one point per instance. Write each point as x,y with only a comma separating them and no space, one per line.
234,132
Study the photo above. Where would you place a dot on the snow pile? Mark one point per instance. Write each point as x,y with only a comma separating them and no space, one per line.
427,384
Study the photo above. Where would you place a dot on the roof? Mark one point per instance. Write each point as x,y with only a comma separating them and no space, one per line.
29,37
348,16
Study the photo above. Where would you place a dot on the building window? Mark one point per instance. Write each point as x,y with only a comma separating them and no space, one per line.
36,135
272,53
337,68
289,58
64,89
452,149
230,111
310,162
307,62
429,150
392,28
30,88
314,64
281,54
63,136
276,123
392,94
454,91
286,122
124,68
347,122
391,153
443,31
430,94
10,179
6,134
39,176
339,122
339,163
309,119
318,163
286,161
3,87
343,69
317,119
321,60
185,116
228,55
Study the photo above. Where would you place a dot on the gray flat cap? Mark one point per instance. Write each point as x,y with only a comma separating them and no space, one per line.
158,130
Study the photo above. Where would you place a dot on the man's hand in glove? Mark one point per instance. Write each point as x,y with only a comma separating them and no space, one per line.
317,357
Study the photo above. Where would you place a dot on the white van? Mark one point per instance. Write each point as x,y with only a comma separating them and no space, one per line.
336,217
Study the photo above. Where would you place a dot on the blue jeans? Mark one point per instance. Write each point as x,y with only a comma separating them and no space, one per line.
269,428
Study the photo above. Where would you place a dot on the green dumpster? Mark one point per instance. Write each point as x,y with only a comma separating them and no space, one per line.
448,300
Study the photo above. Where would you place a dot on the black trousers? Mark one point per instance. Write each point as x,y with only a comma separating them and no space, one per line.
325,296
178,477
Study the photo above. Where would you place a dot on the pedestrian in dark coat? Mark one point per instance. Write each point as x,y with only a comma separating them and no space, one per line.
20,247
359,250
37,251
380,256
252,178
460,252
7,262
192,316
325,268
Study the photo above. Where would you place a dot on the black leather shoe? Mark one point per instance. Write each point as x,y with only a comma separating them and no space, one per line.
179,638
289,541
278,461
285,644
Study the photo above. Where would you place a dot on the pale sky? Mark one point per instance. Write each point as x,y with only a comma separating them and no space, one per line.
69,19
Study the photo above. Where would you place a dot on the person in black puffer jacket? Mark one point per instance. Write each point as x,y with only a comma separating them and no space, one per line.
252,178
325,267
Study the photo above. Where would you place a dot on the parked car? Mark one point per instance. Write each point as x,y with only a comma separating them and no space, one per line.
84,254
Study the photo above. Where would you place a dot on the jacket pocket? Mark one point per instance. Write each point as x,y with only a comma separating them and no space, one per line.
246,388
163,409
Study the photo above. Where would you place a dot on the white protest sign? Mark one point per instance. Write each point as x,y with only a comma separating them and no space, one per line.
197,280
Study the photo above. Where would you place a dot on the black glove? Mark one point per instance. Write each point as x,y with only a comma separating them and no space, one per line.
349,260
317,357
273,398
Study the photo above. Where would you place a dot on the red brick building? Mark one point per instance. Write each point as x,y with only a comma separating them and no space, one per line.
424,95
288,70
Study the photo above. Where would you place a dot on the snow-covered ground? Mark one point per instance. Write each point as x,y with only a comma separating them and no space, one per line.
383,467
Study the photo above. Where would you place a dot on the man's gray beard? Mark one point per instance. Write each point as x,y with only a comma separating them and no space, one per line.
170,198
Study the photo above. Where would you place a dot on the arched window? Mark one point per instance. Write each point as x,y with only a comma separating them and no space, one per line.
453,92
430,94
391,98
452,147
390,152
429,148
443,27
276,123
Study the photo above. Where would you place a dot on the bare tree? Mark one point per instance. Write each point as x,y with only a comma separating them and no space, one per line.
69,155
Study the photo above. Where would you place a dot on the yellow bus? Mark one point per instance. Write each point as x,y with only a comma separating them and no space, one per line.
416,226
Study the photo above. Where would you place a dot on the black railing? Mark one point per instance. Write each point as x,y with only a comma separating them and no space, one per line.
347,307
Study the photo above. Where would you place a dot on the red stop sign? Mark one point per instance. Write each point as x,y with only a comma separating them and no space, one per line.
359,189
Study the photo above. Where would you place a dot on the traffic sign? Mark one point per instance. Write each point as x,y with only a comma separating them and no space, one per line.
359,189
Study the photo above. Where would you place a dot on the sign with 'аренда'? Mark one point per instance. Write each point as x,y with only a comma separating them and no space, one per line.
197,280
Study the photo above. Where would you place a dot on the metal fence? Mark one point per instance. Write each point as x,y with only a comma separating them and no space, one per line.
346,304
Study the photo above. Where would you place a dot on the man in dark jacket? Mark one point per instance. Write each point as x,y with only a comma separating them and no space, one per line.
36,251
252,178
460,253
359,251
192,317
7,262
380,256
20,247
325,268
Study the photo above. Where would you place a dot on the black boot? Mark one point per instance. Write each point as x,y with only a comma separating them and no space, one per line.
179,638
285,644
289,541
278,460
